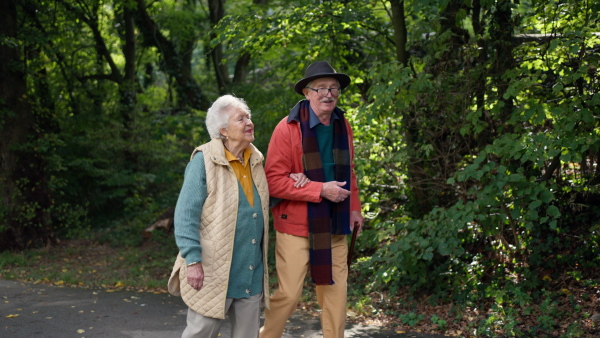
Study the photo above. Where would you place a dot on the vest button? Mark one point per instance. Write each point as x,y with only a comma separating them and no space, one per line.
254,215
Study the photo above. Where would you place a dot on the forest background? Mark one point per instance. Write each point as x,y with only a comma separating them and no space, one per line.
476,126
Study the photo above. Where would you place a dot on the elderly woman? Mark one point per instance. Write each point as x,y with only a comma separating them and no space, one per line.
221,227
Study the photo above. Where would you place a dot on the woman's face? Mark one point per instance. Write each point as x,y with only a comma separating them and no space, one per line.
240,128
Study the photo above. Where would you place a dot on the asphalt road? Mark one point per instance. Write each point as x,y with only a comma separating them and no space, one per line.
36,310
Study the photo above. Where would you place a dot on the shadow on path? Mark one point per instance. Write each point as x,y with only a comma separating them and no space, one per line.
36,310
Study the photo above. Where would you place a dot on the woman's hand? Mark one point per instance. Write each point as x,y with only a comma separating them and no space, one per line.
195,276
300,178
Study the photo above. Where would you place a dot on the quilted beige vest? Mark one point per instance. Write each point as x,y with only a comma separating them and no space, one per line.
217,229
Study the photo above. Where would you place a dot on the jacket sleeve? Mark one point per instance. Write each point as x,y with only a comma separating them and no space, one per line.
284,157
189,210
355,204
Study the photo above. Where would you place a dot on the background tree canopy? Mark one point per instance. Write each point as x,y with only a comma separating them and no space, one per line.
477,124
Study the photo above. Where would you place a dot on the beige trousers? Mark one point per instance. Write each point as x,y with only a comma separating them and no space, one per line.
244,316
292,263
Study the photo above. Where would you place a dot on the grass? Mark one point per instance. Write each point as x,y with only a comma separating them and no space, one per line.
142,265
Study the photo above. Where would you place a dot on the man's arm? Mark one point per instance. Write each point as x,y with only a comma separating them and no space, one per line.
283,160
356,218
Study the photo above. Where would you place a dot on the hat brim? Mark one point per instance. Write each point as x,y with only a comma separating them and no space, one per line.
342,78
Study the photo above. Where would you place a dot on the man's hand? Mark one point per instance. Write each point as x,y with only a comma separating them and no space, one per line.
334,192
356,220
195,276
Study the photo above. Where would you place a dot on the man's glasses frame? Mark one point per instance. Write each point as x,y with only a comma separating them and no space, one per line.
322,92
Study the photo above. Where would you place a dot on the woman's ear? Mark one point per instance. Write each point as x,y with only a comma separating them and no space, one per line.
224,133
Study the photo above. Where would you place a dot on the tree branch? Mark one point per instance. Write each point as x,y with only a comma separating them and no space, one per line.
550,170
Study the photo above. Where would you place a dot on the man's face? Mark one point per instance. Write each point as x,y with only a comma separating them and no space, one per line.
326,104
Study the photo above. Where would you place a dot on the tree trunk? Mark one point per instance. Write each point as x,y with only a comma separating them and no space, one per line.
24,218
217,11
503,42
241,66
399,21
127,88
241,69
428,171
189,91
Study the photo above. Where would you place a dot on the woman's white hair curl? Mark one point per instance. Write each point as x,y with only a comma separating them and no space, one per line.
217,116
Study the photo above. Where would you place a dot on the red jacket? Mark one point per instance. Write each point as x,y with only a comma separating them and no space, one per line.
285,157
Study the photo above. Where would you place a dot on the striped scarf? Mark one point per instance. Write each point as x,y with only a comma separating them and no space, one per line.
325,218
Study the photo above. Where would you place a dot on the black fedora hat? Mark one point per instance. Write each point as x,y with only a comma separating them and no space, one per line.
320,69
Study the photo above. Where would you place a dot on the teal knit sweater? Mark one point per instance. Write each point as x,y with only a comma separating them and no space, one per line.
246,274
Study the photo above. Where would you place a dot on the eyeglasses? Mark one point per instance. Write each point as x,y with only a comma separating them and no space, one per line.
322,92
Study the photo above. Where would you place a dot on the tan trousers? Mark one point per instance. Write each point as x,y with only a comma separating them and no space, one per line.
292,263
244,315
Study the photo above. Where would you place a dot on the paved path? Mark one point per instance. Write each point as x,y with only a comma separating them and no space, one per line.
30,310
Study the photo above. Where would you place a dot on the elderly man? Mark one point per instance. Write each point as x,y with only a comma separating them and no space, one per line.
312,221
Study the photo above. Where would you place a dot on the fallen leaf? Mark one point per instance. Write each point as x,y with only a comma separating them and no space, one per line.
12,316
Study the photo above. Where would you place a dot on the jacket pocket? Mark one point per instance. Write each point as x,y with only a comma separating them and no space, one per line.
174,284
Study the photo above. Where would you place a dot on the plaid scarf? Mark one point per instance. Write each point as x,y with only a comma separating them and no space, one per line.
325,218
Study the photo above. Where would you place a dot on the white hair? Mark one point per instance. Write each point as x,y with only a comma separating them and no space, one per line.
310,84
217,116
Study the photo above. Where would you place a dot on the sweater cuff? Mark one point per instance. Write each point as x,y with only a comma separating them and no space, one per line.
192,258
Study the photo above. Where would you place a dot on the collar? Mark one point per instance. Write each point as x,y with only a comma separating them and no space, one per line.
218,153
231,157
314,120
295,114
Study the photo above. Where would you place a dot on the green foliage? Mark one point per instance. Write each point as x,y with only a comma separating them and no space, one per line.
411,318
440,323
421,251
498,209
